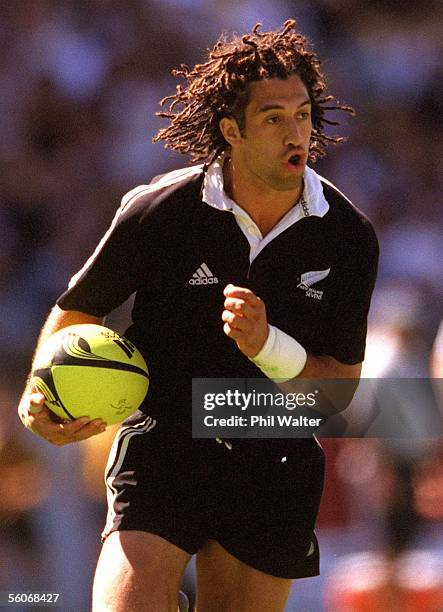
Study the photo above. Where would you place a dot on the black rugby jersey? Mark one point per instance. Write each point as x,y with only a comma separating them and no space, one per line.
177,254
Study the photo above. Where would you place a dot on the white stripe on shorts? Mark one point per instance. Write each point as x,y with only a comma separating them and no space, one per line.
115,461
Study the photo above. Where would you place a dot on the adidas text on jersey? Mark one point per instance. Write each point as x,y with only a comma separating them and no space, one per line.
203,276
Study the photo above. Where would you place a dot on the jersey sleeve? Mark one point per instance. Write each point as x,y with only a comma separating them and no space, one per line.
347,327
112,272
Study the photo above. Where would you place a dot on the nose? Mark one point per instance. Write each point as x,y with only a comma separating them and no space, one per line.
293,135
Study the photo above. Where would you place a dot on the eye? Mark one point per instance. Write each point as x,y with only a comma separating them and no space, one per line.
273,120
304,114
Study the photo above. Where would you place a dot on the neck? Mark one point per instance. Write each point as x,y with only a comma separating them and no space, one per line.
266,206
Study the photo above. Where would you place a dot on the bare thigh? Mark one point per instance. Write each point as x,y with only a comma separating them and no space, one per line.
138,572
226,584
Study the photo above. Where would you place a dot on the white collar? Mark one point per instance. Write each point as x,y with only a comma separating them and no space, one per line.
214,194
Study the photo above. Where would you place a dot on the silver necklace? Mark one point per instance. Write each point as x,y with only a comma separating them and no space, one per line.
304,206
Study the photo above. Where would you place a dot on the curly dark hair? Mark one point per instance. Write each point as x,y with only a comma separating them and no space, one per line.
219,88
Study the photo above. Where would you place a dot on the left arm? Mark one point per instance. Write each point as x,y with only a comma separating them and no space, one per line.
323,367
245,321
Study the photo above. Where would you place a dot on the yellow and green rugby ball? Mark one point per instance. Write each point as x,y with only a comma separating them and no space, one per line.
90,370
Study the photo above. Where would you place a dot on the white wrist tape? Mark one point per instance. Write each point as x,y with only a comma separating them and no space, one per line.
281,357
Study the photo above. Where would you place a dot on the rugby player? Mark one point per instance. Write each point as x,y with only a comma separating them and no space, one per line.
248,264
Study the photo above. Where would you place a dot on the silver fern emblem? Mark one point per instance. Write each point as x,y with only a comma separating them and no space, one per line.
311,278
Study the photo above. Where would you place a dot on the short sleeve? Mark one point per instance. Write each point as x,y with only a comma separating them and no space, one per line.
346,329
112,272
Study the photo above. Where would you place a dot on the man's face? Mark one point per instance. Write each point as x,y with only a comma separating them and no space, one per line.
275,143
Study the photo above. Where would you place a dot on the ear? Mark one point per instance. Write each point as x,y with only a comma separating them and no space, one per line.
230,130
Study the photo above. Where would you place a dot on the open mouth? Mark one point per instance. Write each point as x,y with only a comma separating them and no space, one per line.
294,160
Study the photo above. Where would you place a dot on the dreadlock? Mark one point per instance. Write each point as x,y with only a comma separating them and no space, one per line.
219,88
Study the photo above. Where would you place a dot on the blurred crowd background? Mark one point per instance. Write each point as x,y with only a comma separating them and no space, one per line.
80,85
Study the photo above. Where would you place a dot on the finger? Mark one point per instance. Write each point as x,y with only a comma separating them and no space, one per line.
70,428
39,416
241,292
239,306
65,434
42,414
235,321
36,403
233,333
85,423
44,424
92,428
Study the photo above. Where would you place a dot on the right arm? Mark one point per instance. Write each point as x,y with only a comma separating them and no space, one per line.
107,279
34,415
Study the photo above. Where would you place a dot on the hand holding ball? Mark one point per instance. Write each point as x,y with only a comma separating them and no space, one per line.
90,370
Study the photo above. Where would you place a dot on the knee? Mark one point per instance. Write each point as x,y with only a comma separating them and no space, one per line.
137,571
129,590
113,589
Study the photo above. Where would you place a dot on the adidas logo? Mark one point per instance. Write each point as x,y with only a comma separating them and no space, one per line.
203,276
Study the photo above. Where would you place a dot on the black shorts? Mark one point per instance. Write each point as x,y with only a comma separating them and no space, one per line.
261,507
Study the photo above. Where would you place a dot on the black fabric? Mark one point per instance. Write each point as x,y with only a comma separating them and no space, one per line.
162,237
260,508
262,511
